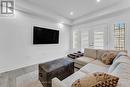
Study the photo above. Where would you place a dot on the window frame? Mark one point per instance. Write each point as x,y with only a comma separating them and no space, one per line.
7,7
119,36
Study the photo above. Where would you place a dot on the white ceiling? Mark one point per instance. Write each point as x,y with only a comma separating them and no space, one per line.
79,7
61,9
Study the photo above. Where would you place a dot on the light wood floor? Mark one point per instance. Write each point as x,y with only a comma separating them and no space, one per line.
27,81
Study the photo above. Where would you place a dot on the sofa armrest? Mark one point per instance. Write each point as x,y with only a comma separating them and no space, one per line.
57,83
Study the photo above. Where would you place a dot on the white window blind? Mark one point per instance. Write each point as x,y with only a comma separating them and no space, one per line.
76,39
119,37
84,39
98,40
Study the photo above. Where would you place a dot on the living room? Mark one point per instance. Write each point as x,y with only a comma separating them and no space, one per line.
77,23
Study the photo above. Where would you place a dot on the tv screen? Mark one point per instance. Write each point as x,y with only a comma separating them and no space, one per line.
45,36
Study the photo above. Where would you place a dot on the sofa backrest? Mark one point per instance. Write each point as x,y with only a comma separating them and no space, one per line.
100,52
122,71
90,53
97,53
119,60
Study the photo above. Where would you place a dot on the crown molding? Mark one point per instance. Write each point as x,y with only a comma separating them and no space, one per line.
41,13
101,16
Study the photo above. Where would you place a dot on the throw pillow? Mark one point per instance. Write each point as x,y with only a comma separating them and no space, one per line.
108,57
105,80
97,80
85,82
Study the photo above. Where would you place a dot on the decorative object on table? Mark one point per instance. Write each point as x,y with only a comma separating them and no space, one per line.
75,55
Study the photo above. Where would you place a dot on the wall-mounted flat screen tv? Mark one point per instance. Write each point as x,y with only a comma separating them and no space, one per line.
45,36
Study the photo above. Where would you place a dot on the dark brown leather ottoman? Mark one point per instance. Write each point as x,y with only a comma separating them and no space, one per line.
60,68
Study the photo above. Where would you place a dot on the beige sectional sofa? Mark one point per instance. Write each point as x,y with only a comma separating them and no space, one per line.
120,67
91,55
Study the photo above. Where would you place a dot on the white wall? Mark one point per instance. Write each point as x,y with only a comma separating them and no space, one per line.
16,48
109,20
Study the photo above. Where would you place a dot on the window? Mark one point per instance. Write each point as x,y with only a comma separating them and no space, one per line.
99,40
84,39
7,7
76,39
119,36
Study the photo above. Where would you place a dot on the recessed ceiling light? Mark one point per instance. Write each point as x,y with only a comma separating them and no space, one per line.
71,13
60,25
98,0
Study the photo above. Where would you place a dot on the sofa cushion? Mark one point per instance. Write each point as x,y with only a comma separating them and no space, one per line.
99,63
100,52
92,68
122,71
121,59
108,57
78,66
117,51
90,53
84,60
57,83
69,80
120,54
123,83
